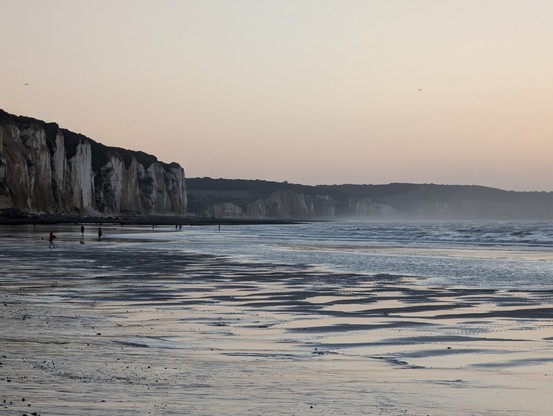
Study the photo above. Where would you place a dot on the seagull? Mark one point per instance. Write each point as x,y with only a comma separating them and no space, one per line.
420,89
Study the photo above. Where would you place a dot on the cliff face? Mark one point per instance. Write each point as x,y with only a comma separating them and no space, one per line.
280,204
45,169
297,205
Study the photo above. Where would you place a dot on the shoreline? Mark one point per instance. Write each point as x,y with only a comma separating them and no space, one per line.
21,219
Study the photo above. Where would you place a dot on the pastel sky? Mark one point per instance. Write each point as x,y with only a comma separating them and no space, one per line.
308,91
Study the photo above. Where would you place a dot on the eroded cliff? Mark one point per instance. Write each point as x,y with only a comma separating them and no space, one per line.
46,169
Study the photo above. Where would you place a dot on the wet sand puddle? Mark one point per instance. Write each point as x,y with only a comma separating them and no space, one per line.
121,328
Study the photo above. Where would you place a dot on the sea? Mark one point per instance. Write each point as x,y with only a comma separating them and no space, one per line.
506,255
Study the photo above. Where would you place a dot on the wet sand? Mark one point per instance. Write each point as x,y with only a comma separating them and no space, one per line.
118,327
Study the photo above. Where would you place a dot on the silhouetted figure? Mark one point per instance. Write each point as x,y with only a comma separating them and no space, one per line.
51,240
82,229
100,234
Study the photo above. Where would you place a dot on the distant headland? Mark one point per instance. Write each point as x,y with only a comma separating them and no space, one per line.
224,198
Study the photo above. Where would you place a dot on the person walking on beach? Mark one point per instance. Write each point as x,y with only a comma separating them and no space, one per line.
100,234
82,229
51,240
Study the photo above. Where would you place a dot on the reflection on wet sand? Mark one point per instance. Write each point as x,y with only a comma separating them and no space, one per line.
120,327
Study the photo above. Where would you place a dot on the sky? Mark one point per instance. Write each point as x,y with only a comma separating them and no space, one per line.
304,91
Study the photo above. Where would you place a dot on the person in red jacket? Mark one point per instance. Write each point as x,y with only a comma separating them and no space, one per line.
51,239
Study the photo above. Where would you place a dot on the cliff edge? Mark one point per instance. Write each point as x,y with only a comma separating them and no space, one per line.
47,169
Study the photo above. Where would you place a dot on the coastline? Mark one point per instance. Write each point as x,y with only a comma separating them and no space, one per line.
15,218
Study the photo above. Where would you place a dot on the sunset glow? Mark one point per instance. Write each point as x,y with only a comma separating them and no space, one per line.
309,91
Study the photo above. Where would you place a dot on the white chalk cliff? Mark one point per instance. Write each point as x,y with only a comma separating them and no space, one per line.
45,169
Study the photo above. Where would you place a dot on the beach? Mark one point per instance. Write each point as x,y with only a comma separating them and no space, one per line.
127,326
